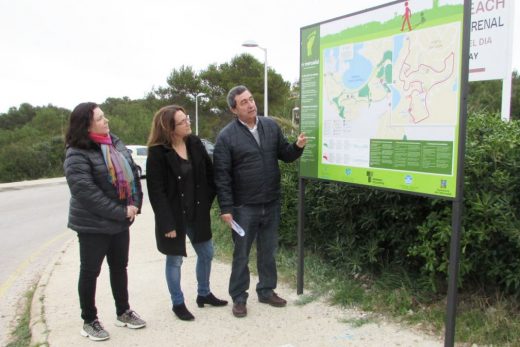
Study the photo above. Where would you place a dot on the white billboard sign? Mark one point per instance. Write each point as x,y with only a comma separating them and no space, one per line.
491,39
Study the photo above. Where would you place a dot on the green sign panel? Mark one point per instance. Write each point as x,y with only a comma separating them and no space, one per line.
381,96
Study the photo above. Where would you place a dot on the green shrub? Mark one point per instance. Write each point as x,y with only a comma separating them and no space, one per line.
362,229
32,161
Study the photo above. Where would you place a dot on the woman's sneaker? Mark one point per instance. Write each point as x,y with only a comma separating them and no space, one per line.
130,319
94,331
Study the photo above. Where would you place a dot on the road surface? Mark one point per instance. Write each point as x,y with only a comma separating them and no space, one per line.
33,229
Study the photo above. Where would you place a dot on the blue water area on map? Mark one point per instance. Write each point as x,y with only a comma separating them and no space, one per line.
398,44
359,69
455,86
334,54
396,97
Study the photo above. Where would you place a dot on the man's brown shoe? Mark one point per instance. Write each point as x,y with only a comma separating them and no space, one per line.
239,309
274,300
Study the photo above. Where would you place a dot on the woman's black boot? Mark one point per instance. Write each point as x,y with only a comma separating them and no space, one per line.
182,312
210,299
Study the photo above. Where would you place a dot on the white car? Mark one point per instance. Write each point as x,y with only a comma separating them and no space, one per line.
139,155
209,147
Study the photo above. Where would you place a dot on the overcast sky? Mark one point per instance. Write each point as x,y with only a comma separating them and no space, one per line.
64,52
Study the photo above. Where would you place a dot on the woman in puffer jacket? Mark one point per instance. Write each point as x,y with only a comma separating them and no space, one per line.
105,198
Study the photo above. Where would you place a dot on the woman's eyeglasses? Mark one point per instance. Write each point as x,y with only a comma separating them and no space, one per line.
184,121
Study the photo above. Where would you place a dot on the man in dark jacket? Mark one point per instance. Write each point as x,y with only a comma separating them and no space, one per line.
247,177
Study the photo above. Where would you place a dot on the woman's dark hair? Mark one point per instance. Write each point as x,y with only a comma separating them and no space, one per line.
80,119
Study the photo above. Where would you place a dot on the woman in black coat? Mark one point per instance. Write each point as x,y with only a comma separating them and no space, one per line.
179,177
105,197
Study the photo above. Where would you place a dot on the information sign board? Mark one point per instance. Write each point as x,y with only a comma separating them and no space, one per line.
381,97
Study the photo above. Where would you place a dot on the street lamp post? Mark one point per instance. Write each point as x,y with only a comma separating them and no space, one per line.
295,118
250,43
197,112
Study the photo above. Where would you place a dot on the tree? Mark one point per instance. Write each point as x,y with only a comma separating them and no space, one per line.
486,96
50,121
246,70
31,138
130,120
183,85
215,81
15,118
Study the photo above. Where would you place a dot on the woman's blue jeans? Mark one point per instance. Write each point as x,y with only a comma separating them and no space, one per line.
204,251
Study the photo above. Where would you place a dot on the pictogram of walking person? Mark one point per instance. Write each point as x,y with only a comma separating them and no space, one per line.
406,17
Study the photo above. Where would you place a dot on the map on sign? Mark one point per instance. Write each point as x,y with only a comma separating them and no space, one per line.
389,88
381,96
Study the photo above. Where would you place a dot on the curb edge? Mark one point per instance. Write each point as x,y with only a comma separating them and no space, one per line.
38,324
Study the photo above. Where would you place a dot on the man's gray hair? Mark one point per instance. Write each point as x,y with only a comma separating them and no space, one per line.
233,93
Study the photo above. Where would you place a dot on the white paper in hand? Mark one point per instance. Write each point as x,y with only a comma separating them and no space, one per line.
238,229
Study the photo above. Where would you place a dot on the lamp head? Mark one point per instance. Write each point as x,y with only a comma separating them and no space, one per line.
250,43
